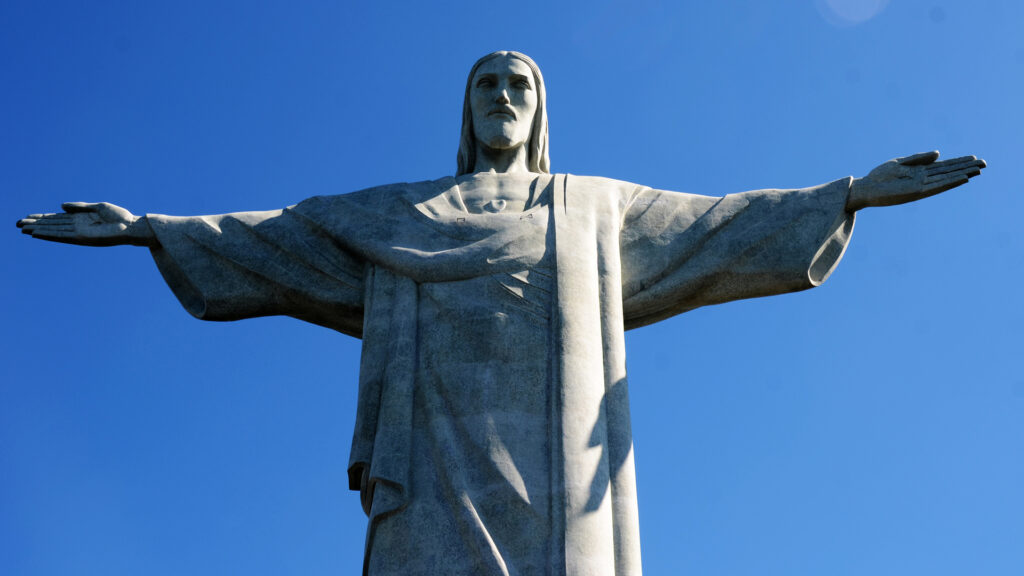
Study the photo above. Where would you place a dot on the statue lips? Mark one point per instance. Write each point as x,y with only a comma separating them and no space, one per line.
503,110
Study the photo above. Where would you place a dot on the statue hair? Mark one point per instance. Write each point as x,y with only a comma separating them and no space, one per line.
537,146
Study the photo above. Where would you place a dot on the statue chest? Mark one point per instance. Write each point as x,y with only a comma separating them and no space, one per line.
494,193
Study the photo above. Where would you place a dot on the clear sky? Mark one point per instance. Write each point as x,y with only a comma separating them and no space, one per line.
874,425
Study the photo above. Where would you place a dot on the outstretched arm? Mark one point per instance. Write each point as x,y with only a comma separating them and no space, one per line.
911,178
229,266
87,224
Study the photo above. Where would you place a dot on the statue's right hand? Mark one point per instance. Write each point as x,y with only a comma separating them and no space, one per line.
89,224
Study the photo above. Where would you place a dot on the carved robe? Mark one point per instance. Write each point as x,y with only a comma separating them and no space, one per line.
493,433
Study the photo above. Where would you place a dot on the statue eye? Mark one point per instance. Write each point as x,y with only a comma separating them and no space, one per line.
484,83
522,84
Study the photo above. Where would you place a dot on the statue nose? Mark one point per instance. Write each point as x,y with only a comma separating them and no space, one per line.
503,97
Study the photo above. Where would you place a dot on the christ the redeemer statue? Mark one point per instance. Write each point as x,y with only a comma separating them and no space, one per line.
493,434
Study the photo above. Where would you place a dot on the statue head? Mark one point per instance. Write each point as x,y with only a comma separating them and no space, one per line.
511,130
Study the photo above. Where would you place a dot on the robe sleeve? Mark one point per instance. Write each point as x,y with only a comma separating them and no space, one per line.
682,251
250,264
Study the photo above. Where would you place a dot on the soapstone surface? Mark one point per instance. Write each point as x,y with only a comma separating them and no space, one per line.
493,432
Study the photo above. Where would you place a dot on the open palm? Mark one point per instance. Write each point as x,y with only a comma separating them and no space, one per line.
912,178
87,224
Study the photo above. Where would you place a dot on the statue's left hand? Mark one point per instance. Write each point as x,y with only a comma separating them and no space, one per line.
911,178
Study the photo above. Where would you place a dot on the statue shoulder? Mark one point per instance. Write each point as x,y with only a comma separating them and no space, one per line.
598,182
616,191
382,195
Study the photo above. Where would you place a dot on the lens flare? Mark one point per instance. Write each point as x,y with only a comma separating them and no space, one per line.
849,12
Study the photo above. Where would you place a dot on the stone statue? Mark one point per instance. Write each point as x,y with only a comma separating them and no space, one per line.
493,432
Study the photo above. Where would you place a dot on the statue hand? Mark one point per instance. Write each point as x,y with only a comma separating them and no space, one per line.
100,224
911,178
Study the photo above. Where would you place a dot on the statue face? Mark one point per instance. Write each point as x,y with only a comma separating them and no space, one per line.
503,100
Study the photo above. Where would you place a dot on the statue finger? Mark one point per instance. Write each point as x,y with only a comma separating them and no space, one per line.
919,159
938,178
951,162
54,226
42,218
973,163
62,217
45,221
46,234
963,168
73,207
37,229
969,171
944,184
956,160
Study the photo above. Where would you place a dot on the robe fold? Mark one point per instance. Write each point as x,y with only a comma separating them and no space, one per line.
492,433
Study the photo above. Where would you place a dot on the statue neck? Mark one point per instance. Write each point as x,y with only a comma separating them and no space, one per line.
501,161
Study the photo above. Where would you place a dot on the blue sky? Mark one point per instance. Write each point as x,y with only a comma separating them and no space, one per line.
874,425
